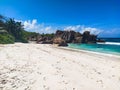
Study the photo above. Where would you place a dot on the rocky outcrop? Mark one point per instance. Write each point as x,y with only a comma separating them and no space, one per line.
45,39
63,37
59,41
69,36
76,37
77,40
88,38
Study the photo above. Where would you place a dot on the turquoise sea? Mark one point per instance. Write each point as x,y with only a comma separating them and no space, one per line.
111,46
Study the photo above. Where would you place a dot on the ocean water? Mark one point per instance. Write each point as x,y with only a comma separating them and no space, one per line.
111,46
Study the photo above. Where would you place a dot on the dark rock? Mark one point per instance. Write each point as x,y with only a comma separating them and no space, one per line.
32,38
68,36
60,41
87,38
63,44
44,40
3,82
77,40
76,37
63,37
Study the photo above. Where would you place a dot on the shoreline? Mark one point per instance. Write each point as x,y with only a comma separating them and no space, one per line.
92,52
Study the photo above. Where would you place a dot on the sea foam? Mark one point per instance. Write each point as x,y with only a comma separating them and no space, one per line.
110,43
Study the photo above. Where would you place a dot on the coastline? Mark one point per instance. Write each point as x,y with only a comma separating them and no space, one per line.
42,66
88,51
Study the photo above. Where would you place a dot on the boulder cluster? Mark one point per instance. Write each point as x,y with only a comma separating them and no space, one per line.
74,37
63,37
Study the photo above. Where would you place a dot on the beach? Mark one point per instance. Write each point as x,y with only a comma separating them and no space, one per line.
48,67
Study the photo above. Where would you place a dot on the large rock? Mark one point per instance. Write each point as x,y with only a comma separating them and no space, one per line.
44,40
59,41
63,37
68,36
87,38
76,37
77,40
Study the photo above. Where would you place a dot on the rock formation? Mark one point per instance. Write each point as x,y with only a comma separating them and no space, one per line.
44,39
76,37
88,38
63,37
59,41
69,36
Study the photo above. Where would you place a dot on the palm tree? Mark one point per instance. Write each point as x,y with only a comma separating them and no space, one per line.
2,21
18,29
14,28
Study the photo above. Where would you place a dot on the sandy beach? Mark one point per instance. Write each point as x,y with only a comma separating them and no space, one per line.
47,67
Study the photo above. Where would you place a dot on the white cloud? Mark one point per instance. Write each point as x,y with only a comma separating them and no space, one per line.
115,32
92,30
75,28
82,28
35,27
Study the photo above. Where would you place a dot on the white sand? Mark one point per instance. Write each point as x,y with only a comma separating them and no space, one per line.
45,67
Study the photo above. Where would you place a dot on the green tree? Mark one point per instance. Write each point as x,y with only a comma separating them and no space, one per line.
14,28
2,21
6,39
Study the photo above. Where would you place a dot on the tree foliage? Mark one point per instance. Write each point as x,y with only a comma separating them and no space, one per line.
15,30
6,39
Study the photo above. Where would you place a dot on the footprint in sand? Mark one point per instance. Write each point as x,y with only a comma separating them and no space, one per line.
27,88
97,71
113,75
44,78
3,82
58,62
58,68
39,73
100,82
46,88
62,75
52,65
73,88
65,82
119,78
1,88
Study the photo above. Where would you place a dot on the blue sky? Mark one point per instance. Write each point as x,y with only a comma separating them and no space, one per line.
45,16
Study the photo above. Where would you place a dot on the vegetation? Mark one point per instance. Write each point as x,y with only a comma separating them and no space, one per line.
12,31
6,39
48,35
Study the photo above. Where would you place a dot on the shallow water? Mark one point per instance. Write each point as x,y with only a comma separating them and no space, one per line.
99,47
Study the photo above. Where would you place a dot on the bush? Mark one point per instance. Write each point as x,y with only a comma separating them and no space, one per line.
6,39
23,40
